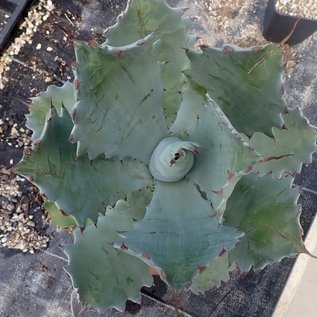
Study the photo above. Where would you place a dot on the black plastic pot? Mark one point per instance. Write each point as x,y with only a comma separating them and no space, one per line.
14,9
278,27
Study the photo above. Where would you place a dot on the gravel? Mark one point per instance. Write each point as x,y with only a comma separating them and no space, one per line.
298,8
36,16
22,223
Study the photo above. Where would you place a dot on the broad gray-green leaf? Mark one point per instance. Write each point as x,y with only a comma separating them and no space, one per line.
179,233
290,147
58,219
79,187
246,84
223,157
212,275
120,98
143,17
58,96
265,209
106,277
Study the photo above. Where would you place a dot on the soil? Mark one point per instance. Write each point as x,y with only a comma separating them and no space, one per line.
40,54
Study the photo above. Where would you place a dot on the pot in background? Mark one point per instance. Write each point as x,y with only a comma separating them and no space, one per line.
278,26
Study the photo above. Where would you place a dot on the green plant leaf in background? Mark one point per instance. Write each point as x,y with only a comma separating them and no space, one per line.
179,233
120,98
224,156
58,96
289,149
58,219
246,84
212,275
107,277
265,209
143,17
79,187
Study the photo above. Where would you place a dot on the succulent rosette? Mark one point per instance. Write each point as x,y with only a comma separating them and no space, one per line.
182,158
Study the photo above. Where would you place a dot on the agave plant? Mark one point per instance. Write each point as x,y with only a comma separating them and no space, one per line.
168,156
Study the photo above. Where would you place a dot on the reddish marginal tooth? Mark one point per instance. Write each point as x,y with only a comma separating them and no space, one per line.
228,49
237,136
194,19
38,142
230,174
123,246
284,127
202,46
222,252
118,53
92,43
201,268
237,244
256,48
286,110
248,169
146,255
50,117
140,43
74,114
30,179
77,84
216,214
218,192
82,230
296,174
26,151
301,232
164,275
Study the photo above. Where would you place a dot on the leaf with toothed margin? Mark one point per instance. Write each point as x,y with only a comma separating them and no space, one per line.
223,157
178,233
106,277
58,219
212,275
143,17
120,99
40,106
79,187
265,209
289,149
246,84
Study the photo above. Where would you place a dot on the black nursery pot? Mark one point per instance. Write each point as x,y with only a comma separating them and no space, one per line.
278,26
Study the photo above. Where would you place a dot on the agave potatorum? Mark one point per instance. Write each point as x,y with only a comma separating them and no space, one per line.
183,158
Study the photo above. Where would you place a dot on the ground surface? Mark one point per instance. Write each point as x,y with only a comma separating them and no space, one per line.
35,285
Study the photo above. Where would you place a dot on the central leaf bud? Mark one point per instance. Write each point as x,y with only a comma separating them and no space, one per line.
172,159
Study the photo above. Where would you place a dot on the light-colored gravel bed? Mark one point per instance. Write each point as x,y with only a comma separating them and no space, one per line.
298,8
